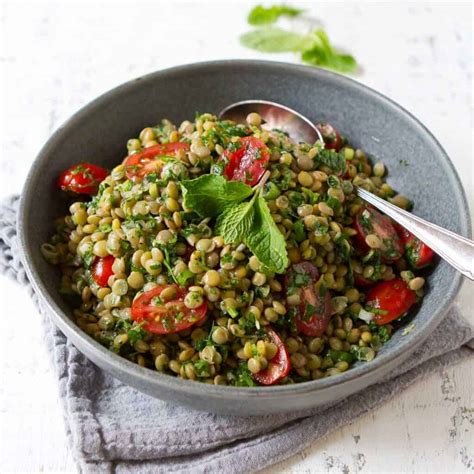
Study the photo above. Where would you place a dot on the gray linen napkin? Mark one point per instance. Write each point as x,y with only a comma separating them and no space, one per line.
113,428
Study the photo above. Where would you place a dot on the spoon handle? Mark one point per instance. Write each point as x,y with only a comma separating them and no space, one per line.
455,249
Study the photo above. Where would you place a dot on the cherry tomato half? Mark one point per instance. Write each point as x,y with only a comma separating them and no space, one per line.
166,318
245,160
83,178
102,269
417,253
332,138
370,221
393,298
278,367
145,162
314,310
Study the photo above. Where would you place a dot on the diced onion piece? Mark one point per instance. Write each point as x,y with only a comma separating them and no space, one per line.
366,315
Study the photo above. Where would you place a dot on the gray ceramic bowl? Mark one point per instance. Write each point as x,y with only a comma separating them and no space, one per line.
99,131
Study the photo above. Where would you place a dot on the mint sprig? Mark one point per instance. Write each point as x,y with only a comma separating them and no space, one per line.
236,222
239,220
314,48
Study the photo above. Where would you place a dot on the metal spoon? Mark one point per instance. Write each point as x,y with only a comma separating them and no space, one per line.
454,249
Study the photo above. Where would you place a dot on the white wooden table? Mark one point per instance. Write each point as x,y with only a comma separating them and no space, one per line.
55,58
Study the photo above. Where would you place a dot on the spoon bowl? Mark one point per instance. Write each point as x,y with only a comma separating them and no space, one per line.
275,116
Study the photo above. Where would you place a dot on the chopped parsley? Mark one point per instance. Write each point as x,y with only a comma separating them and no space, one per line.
88,258
285,180
243,376
135,334
335,161
297,279
299,230
311,196
106,228
248,322
202,368
184,277
227,258
333,203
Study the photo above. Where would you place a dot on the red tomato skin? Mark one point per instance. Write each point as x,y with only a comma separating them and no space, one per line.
392,296
241,164
302,267
83,178
359,280
332,138
316,324
418,254
383,228
102,269
279,367
139,164
143,311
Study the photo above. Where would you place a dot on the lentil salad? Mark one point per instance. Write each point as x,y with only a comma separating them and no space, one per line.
229,254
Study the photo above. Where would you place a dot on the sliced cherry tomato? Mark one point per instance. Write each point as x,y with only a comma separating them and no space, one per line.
166,318
245,160
102,269
332,138
278,367
314,310
145,162
393,298
83,178
370,221
417,253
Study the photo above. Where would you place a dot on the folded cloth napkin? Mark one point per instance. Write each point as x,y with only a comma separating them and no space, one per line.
113,428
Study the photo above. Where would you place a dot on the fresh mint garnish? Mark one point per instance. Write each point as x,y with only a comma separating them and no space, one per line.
238,220
315,47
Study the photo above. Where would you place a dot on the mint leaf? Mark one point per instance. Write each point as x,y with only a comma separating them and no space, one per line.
209,195
321,53
260,15
235,222
265,240
275,40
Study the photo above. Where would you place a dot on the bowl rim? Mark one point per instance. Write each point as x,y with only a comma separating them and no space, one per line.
118,364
